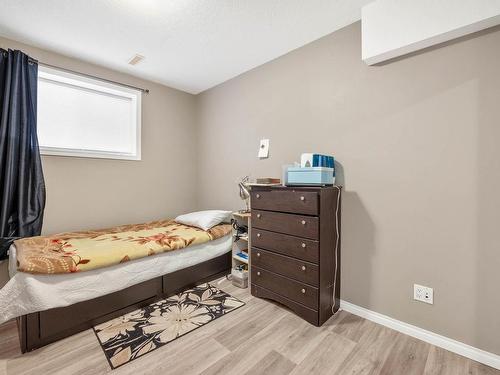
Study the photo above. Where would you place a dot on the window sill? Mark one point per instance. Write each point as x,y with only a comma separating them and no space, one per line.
50,151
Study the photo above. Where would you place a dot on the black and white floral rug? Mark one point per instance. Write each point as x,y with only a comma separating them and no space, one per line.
131,336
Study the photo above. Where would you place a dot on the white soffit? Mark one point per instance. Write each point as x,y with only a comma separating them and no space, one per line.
191,45
393,28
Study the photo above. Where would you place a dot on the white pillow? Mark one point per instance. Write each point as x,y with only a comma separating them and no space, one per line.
204,219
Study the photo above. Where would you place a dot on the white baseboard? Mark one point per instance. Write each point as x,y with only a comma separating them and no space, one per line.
454,346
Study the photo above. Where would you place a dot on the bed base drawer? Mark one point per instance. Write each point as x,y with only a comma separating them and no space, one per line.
55,321
42,328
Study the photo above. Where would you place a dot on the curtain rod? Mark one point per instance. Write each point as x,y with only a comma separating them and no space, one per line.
146,91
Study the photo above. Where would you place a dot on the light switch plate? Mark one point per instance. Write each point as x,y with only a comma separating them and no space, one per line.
264,148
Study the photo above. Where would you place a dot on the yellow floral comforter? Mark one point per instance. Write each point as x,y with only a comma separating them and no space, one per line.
88,250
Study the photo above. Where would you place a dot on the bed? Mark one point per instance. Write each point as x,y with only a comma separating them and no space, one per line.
49,307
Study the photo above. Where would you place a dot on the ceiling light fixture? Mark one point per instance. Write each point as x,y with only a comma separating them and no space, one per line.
136,59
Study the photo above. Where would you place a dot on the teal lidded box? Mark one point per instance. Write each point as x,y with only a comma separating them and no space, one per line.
310,176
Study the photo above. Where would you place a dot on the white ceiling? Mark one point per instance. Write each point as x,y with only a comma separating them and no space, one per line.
191,45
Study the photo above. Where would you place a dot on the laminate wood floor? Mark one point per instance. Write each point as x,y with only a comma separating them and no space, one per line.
259,338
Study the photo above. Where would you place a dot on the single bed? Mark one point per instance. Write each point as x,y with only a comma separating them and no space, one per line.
51,307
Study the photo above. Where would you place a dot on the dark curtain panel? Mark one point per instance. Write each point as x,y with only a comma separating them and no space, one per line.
22,188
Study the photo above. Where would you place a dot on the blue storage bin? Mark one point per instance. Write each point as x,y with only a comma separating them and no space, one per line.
310,176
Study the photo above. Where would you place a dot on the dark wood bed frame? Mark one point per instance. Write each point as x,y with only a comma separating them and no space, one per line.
44,327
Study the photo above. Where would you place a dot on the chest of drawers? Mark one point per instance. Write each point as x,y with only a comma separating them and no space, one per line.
295,254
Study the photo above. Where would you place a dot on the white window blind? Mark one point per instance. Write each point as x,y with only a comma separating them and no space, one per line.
85,117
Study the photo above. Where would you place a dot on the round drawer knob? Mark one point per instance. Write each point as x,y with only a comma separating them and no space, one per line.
302,198
257,196
303,222
258,234
258,216
303,245
258,274
258,254
303,268
303,291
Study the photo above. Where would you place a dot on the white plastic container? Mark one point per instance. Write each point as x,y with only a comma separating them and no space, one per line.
310,176
239,278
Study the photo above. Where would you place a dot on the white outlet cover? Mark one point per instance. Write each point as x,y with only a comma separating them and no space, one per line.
423,294
264,148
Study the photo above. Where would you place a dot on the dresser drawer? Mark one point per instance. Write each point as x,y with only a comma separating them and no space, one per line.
297,225
306,313
291,289
296,247
299,270
300,202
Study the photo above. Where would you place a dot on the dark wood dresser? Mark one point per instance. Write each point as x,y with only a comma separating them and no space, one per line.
295,255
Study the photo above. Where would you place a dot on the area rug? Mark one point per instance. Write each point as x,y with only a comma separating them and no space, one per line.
140,332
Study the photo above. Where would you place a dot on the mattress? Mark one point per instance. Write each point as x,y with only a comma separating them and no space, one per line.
88,250
27,293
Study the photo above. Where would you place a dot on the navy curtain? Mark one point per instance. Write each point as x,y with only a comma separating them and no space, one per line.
22,188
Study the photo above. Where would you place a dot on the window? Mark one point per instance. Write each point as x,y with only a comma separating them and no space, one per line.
80,116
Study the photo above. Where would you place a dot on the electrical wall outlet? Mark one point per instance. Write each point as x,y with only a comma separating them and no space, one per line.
423,294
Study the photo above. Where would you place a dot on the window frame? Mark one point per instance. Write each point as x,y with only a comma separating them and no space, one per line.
60,76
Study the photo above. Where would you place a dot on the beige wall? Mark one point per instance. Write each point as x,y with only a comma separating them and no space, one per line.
417,140
417,144
92,193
